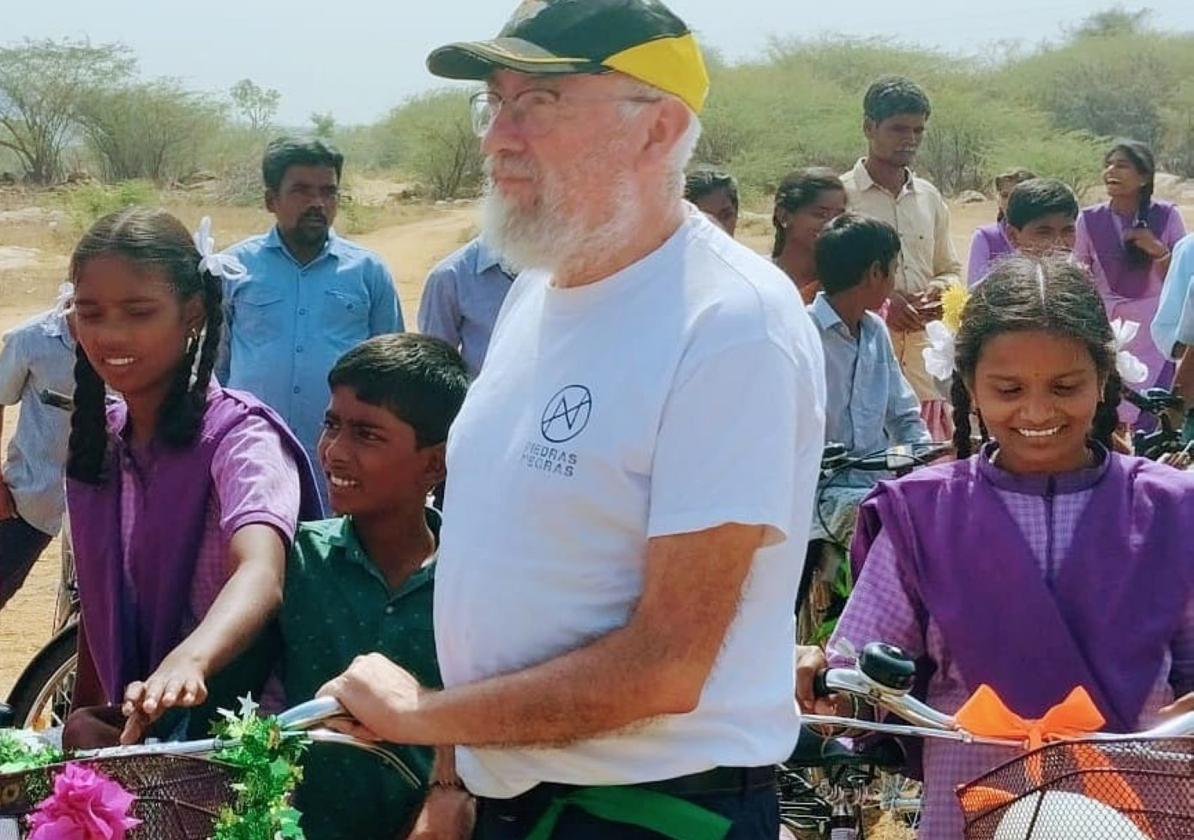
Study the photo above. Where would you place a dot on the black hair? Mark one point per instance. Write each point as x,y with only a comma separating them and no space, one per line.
1022,294
800,189
155,241
1031,200
705,180
1012,176
285,152
1145,163
892,95
421,380
849,246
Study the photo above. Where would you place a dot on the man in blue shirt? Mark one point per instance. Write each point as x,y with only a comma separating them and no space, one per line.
309,296
37,367
870,405
462,298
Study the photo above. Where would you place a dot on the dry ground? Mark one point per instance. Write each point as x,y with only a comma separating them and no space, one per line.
411,240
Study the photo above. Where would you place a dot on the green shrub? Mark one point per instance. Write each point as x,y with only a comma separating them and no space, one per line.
87,203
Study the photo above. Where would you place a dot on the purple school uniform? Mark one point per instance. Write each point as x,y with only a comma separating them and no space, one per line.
165,542
1130,291
990,243
1032,639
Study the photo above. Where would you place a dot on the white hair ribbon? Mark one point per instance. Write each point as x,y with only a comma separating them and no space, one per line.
1131,370
225,266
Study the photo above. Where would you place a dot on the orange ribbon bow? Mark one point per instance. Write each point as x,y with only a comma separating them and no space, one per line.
986,715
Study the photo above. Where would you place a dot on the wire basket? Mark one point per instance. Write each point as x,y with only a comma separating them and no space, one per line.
177,797
1131,789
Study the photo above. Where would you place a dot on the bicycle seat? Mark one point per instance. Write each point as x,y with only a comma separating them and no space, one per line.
816,750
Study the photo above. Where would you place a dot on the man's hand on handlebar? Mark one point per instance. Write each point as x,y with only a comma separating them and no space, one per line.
810,661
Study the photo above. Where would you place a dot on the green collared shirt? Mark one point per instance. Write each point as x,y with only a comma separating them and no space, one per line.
337,606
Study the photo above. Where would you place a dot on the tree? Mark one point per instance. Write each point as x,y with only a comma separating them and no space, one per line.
432,137
43,85
152,130
256,104
1114,21
323,125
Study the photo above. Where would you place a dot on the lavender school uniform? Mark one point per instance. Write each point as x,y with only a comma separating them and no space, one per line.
990,244
1130,291
1034,639
141,631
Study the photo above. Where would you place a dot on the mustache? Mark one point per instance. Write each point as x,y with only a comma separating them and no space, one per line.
315,215
510,166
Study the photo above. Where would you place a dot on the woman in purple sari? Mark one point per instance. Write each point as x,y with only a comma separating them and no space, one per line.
1126,243
991,242
1044,561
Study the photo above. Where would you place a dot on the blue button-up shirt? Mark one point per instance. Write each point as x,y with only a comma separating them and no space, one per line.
38,356
462,298
1174,321
287,324
869,404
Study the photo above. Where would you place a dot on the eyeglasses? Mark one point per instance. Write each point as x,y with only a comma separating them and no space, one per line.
535,110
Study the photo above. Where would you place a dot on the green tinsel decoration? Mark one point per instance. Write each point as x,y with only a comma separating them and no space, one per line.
267,766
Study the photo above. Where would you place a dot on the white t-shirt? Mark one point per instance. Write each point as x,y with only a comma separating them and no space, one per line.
682,393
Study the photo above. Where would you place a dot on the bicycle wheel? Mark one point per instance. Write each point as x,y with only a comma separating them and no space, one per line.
42,694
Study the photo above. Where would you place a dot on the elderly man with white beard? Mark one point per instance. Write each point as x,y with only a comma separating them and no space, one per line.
632,474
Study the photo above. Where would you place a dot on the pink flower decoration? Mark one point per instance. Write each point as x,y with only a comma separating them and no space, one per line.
85,805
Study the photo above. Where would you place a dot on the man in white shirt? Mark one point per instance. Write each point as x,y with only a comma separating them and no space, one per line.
632,474
882,185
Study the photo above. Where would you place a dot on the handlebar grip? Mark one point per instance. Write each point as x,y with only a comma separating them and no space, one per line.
820,687
311,713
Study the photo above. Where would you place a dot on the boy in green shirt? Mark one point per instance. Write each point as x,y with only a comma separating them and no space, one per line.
363,582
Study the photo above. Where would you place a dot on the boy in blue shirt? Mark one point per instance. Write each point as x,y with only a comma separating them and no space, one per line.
870,405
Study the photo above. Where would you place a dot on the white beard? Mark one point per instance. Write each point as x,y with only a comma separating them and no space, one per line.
552,234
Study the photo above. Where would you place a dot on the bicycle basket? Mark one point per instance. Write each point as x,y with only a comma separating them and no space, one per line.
1133,789
177,797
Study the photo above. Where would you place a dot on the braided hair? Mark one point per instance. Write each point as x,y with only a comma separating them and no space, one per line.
1024,294
1145,163
158,241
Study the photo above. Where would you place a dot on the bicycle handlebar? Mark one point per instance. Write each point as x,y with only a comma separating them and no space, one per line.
926,722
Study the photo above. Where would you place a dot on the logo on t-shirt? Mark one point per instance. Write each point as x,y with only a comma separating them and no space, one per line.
567,414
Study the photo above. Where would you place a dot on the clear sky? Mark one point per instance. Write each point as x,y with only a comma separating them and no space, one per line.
359,58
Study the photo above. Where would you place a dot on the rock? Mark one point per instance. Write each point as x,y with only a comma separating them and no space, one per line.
15,258
971,197
81,177
32,216
196,178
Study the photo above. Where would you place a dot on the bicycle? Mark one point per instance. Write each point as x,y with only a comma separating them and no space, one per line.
813,795
41,696
180,788
824,581
1137,786
1166,439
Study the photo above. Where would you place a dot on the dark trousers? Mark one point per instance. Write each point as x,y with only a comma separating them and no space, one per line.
20,546
754,814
